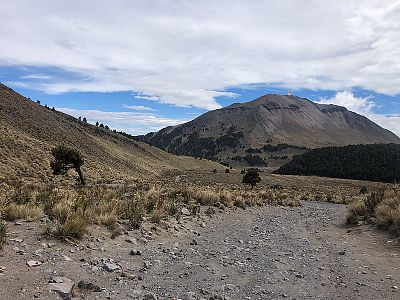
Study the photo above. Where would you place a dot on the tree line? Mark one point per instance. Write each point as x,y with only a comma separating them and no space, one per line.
376,162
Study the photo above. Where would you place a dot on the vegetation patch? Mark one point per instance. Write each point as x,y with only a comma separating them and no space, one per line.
378,162
381,208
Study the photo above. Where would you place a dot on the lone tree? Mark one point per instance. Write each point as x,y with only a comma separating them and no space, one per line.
251,177
66,158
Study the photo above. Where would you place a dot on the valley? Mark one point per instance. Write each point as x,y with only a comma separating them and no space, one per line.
149,224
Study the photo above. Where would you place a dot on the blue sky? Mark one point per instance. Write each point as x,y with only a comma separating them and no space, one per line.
167,62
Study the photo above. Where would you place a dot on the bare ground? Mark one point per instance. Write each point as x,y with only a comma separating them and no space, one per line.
258,253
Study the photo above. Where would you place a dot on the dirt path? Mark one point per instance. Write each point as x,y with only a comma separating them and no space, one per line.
259,253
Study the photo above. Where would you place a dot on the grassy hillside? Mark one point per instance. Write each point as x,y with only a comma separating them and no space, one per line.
379,162
29,131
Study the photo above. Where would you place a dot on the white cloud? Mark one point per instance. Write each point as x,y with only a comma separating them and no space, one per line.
364,106
130,122
347,99
35,76
187,53
139,108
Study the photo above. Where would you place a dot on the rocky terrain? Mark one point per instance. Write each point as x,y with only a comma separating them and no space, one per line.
272,127
305,252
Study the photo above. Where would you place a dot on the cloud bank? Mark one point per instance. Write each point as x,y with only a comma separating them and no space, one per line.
135,123
187,53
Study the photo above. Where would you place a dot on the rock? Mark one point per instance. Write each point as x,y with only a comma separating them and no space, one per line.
131,241
343,252
193,242
33,263
149,296
18,240
276,186
190,296
56,279
83,285
109,267
135,252
299,275
62,286
146,264
185,211
66,258
19,251
395,287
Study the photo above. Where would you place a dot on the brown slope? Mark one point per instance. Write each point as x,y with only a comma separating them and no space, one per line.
271,119
29,131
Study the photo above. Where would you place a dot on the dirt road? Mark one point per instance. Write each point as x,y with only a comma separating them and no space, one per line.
258,253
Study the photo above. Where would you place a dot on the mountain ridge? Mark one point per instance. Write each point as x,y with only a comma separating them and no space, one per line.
268,120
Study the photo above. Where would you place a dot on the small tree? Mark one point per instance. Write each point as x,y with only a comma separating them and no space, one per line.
66,158
251,177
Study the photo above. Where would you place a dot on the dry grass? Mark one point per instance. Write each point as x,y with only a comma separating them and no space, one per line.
381,207
29,212
71,210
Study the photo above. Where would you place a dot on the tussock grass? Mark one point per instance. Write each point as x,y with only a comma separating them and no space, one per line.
381,207
70,211
29,212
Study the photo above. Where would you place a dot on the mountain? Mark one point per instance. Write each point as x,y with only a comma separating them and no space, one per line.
270,129
29,131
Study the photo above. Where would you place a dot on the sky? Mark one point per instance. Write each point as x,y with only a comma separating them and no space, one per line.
138,66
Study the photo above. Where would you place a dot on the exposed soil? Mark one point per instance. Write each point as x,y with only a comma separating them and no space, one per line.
259,253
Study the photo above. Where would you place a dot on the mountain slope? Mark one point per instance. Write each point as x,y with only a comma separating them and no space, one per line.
29,131
273,127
